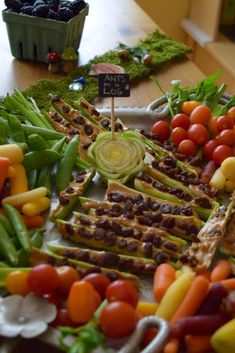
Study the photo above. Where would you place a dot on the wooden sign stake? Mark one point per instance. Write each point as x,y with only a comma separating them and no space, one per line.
112,118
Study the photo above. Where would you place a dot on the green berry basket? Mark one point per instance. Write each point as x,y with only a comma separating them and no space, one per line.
31,38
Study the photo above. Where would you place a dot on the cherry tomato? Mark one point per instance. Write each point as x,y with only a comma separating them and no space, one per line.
53,298
221,153
67,276
178,134
161,130
43,279
189,106
17,283
62,319
148,337
118,319
100,282
83,300
187,147
123,291
198,134
227,137
224,122
231,114
180,120
200,115
209,147
212,127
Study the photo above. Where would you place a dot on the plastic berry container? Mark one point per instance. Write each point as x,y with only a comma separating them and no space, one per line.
31,38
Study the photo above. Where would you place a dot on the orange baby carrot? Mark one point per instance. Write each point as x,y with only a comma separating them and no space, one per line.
198,344
193,298
206,274
4,166
164,276
33,221
172,345
229,283
221,271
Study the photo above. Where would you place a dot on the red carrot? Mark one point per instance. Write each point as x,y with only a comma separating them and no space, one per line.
229,283
208,172
221,271
33,221
4,166
164,276
193,299
198,344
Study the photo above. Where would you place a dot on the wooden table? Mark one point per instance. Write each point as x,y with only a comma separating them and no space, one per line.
108,23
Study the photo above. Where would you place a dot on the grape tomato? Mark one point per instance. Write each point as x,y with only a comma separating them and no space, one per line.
224,122
227,137
187,147
222,152
198,134
161,130
122,291
178,134
189,106
180,120
200,115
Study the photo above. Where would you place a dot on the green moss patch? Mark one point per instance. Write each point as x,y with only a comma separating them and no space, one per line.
162,48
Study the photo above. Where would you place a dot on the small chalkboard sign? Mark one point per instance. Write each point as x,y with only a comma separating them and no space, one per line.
114,85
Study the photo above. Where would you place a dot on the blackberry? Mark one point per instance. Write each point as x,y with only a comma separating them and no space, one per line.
14,5
27,10
65,14
53,4
53,15
41,11
77,5
38,3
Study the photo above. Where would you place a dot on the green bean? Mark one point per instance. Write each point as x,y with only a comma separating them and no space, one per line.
7,225
37,143
36,240
57,147
38,159
7,248
65,167
16,130
43,132
19,226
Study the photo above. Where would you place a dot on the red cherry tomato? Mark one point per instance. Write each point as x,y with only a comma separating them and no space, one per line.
224,122
209,147
118,319
198,134
123,291
43,279
67,276
100,282
178,134
200,115
227,137
221,153
188,106
231,114
161,130
62,319
53,298
212,127
187,147
180,120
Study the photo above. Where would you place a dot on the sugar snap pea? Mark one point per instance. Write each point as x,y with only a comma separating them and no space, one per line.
3,133
7,248
15,128
7,225
37,142
66,164
43,132
32,179
19,226
38,159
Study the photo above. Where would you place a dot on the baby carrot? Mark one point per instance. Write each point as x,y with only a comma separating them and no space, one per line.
146,308
229,283
33,221
164,276
193,298
172,346
174,296
198,343
28,196
13,152
221,271
36,206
